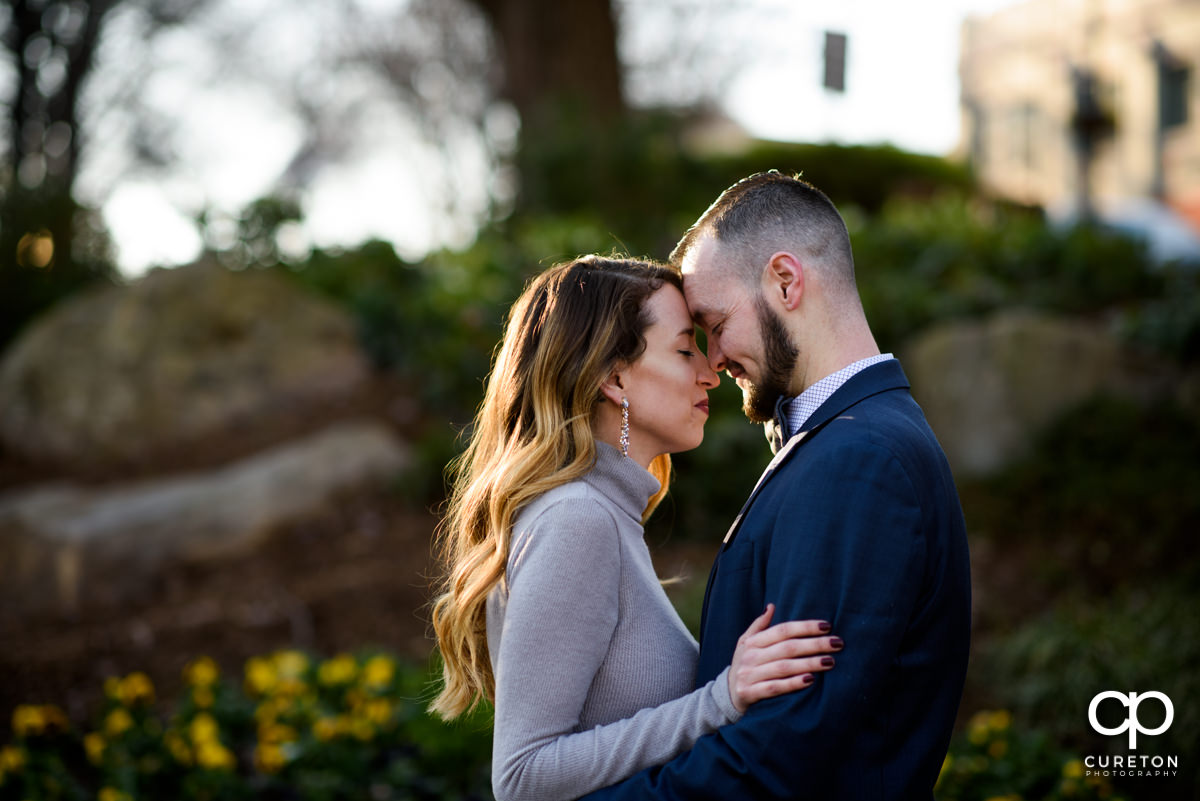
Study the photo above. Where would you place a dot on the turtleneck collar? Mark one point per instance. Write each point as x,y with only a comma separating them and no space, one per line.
629,485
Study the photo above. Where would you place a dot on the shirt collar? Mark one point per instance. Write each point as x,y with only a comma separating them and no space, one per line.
791,414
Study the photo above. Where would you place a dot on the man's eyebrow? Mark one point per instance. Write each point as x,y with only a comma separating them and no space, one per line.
699,313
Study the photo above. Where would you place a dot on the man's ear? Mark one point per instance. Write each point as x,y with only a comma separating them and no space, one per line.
613,387
783,279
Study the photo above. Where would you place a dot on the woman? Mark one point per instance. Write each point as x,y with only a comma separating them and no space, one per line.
551,606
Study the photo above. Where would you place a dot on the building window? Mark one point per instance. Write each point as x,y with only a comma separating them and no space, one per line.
1173,80
1024,135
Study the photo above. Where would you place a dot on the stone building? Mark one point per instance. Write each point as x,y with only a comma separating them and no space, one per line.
1086,106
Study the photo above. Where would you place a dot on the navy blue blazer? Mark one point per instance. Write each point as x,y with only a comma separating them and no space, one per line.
857,522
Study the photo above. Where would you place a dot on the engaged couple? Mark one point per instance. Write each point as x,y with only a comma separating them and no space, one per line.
834,638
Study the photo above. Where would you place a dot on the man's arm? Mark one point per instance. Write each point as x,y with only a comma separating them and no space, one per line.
845,544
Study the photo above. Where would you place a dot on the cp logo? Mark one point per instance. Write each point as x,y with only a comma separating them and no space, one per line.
1131,723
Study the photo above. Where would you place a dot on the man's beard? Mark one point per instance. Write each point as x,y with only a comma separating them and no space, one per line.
779,360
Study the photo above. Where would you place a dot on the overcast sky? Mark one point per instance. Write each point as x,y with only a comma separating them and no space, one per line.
901,88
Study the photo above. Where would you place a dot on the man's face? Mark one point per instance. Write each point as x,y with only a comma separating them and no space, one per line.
746,338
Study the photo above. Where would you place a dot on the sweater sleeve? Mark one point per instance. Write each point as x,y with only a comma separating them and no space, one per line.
561,614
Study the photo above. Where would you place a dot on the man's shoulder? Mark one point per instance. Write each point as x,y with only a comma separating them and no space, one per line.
882,419
884,429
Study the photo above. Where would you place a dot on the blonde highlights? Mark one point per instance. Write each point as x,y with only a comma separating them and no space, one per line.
570,328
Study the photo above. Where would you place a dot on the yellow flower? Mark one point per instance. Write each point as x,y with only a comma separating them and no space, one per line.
214,756
980,720
178,747
275,733
203,696
378,711
1073,769
118,722
12,759
94,744
325,729
291,664
977,734
261,676
112,794
135,688
203,729
1001,720
202,672
269,758
362,729
270,709
997,749
112,688
378,672
340,670
28,720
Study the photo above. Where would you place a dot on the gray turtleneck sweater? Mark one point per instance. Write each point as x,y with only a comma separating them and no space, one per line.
594,669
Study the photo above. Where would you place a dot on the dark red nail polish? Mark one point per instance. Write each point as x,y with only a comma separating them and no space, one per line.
836,642
824,626
827,661
808,679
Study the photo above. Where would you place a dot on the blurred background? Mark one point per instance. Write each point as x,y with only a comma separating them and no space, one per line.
255,257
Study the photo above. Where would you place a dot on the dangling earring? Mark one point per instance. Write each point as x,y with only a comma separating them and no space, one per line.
625,427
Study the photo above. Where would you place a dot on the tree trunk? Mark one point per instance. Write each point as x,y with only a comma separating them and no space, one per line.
558,54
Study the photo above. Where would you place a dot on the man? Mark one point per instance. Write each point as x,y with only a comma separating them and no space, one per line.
855,521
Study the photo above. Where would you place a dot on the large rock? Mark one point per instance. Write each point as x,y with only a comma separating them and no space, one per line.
173,360
988,387
63,544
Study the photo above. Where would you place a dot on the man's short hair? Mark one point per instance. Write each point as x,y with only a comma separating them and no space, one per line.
769,212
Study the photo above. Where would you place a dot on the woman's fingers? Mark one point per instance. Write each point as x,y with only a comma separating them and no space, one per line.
757,653
760,623
788,630
770,689
781,676
784,668
772,660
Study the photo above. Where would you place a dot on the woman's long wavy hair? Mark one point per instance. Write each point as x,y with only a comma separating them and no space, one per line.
572,326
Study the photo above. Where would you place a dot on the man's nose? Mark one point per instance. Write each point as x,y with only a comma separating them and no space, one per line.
716,359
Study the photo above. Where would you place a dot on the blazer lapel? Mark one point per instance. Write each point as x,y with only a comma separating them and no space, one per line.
877,378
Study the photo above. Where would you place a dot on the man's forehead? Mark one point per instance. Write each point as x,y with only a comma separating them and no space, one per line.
704,299
700,257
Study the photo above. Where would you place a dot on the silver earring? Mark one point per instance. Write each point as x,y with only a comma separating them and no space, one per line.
625,427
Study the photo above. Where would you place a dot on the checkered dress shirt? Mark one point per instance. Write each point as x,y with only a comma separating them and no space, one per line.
792,413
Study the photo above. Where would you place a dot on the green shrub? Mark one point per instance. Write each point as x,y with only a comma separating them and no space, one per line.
953,257
1107,496
1143,638
991,760
295,728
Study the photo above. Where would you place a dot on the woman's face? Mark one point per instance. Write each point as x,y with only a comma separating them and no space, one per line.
668,385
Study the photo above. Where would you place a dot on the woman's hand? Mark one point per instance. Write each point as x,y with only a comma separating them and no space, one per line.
777,660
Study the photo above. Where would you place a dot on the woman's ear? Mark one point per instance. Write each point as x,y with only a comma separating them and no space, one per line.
613,388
